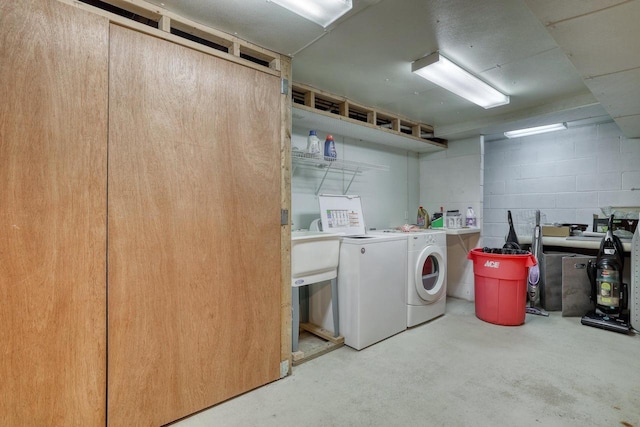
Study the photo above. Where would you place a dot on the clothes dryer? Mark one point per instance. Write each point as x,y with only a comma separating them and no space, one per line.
426,273
427,276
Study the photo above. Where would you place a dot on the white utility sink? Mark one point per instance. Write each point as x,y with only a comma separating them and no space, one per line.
314,257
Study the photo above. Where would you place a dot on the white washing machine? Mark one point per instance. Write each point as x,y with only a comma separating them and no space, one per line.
427,276
372,274
371,292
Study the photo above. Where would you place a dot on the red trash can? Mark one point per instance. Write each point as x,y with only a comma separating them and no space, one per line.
500,284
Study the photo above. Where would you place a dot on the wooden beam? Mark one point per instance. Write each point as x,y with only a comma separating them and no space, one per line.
412,129
322,333
167,20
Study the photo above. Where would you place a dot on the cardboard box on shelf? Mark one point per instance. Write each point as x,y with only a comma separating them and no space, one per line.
555,231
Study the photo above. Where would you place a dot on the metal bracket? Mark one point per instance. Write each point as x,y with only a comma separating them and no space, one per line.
284,86
284,216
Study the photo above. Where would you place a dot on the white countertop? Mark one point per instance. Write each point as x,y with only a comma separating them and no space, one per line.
463,230
460,232
571,242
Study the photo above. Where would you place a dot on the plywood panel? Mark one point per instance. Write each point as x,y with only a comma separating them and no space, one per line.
194,230
53,147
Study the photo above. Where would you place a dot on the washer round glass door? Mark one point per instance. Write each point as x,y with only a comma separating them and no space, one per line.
430,274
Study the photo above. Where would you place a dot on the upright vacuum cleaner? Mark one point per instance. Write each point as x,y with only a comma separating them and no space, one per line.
608,293
511,241
634,294
534,282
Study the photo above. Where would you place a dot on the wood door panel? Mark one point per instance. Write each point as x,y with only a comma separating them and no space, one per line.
53,148
194,231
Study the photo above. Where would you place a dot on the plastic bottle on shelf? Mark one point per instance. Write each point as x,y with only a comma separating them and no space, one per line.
330,148
313,143
471,217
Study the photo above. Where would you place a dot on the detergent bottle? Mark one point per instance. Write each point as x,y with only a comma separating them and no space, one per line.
471,220
313,143
330,148
423,218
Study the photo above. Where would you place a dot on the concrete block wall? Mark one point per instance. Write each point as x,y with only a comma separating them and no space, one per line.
569,175
453,179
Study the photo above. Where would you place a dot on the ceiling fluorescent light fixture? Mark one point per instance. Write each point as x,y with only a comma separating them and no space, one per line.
536,130
439,70
322,12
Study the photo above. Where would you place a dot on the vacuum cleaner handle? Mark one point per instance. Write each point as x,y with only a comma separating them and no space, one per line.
624,296
511,236
619,252
591,274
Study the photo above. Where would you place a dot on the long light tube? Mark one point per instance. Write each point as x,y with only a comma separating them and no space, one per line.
441,71
322,12
535,130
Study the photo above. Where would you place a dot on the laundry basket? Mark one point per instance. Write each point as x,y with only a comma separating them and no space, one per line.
500,284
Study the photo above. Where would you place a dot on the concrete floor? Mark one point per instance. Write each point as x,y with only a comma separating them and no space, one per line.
456,371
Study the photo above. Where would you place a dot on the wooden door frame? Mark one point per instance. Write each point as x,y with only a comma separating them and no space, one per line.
285,232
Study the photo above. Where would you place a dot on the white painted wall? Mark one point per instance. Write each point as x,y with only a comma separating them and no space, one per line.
389,199
386,196
569,175
453,179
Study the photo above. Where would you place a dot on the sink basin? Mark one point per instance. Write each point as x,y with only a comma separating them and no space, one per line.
314,257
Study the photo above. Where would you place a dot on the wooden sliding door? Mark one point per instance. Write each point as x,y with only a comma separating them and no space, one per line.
53,177
194,288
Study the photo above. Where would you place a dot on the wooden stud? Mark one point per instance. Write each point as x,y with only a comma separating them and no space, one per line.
285,230
310,99
164,24
234,49
344,108
275,64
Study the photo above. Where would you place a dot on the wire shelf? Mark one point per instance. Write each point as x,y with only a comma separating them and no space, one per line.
318,161
326,164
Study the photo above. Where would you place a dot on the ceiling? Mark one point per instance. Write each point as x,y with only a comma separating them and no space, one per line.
576,61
